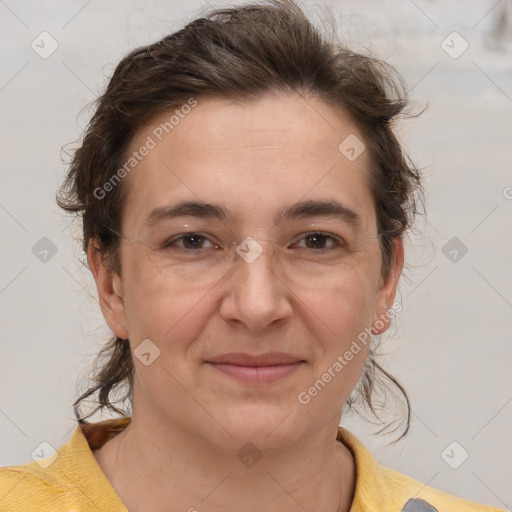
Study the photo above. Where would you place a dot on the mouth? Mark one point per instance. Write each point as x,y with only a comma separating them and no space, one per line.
261,369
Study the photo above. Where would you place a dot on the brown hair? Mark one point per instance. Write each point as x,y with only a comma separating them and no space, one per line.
239,53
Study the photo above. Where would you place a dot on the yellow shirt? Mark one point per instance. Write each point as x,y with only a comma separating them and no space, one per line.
72,481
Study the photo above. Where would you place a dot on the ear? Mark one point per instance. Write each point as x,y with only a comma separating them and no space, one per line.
387,290
110,291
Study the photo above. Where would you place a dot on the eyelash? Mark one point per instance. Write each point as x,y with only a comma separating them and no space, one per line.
338,242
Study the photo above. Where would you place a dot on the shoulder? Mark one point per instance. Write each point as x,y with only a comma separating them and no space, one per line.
69,479
29,485
415,496
381,488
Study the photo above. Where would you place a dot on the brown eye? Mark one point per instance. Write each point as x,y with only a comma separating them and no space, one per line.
192,241
319,241
189,242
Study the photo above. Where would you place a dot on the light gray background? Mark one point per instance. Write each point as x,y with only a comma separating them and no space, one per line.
450,346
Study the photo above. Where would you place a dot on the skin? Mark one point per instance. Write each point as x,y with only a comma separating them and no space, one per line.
190,420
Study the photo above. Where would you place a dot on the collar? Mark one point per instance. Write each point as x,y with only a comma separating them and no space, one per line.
373,490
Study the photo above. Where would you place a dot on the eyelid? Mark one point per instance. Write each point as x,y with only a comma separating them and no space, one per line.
171,241
326,234
339,241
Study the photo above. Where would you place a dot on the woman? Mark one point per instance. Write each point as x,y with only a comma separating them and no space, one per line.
244,200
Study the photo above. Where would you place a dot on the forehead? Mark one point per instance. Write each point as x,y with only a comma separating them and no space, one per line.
253,157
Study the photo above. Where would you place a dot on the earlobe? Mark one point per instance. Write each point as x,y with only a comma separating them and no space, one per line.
110,292
387,291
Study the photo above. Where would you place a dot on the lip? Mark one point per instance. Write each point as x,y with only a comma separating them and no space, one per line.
257,369
267,359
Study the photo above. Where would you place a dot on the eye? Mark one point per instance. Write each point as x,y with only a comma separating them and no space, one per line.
189,242
319,241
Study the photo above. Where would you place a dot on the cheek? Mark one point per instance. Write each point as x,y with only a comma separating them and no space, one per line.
342,324
340,319
346,307
156,309
175,318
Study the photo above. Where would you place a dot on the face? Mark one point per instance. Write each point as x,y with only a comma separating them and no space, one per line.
234,345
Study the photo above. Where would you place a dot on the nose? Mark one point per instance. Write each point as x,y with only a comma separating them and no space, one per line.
255,294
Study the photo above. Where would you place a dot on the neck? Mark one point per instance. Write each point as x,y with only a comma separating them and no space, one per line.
162,469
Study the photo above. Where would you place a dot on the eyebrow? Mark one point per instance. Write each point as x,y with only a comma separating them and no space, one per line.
333,209
299,210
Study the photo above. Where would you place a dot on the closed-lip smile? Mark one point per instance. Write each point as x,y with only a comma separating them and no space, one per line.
256,369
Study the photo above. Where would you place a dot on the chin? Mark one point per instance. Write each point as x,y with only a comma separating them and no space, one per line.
267,426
